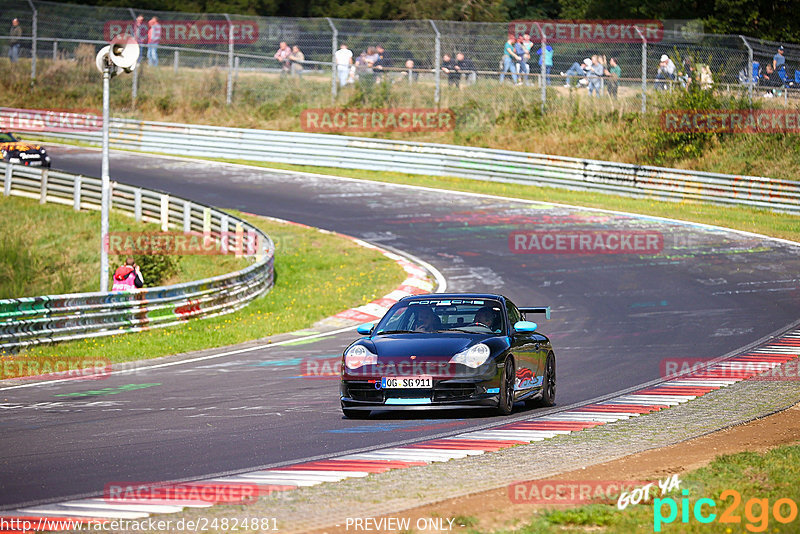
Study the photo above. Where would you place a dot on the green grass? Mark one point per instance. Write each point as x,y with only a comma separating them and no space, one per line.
317,275
487,114
771,476
51,249
760,221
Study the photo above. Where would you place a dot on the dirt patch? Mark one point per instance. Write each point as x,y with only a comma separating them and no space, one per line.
494,509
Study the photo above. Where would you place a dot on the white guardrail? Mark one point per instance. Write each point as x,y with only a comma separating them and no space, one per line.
34,320
448,160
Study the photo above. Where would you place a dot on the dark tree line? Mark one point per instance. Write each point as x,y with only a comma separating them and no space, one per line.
767,19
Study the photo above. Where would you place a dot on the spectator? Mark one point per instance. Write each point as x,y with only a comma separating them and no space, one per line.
452,70
523,67
153,38
364,65
778,60
614,73
282,57
140,33
687,73
548,59
706,79
467,68
595,76
510,59
343,58
409,72
128,276
296,59
769,78
666,71
383,62
16,35
578,70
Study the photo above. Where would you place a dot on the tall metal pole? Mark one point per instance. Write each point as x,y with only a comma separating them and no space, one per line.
229,94
438,65
34,32
135,82
543,70
106,187
644,70
750,80
334,66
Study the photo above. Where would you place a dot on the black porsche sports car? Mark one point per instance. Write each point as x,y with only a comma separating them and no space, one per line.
21,153
449,351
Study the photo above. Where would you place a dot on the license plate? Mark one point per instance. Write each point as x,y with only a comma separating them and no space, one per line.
406,382
34,163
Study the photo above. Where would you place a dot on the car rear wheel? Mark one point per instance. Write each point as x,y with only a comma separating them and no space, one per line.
506,403
355,414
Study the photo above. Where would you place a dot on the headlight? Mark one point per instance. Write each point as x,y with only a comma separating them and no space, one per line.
358,356
475,356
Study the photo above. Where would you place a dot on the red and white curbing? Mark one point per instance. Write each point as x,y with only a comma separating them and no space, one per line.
650,399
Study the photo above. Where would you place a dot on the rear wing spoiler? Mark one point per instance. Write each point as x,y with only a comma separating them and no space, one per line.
539,309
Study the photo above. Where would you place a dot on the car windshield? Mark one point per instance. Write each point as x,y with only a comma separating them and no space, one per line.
472,315
7,138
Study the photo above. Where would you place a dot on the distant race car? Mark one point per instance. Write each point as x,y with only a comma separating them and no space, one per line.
21,153
449,351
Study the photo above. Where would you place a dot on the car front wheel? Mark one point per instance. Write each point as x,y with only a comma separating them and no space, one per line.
506,403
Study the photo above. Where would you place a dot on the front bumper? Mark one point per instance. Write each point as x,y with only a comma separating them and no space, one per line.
445,394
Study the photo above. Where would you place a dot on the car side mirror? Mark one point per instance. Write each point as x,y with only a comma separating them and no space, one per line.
365,329
525,326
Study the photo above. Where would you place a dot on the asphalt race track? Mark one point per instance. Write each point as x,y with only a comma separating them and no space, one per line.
616,318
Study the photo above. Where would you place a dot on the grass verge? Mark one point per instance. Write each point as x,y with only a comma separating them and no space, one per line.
748,489
52,249
316,276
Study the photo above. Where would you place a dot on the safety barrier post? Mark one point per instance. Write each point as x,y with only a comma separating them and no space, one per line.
137,204
164,213
76,193
7,181
223,234
34,32
239,231
43,187
187,216
750,80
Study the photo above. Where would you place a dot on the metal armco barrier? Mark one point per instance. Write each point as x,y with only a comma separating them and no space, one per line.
30,321
448,160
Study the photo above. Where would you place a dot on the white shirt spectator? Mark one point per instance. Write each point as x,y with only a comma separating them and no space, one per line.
343,56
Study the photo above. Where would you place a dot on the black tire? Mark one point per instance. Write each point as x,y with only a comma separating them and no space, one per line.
506,403
355,414
548,397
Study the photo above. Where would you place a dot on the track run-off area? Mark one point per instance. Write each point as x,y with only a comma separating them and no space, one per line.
698,293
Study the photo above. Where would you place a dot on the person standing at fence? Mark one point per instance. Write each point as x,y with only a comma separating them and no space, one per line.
595,76
548,58
153,39
523,67
128,276
779,63
510,59
614,73
381,63
343,58
666,71
452,70
296,58
14,43
282,57
467,68
140,33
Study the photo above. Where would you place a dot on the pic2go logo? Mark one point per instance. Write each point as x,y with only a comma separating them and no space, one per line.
756,511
